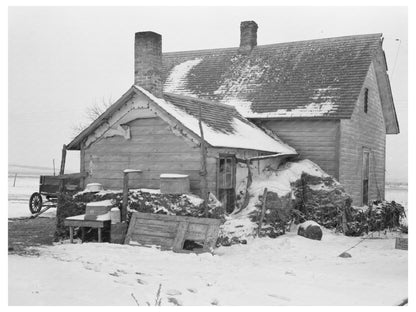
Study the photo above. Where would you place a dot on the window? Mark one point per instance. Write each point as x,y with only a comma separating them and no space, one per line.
365,100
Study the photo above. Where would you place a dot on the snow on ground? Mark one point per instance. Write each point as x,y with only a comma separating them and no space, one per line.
288,270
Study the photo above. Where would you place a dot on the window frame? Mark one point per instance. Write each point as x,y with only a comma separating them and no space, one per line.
366,97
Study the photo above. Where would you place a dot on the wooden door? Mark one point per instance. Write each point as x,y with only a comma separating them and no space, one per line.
226,181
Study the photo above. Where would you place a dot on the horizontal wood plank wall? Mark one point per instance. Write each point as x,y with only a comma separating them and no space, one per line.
154,149
313,139
364,130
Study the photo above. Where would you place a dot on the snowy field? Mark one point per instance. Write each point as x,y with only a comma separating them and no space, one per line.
289,270
19,195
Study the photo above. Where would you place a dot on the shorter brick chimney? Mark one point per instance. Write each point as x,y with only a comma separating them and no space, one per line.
248,36
148,62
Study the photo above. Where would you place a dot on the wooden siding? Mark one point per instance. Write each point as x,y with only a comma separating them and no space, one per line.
154,149
316,140
364,130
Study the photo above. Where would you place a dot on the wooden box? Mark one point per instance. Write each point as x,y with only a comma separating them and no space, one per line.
402,243
174,183
171,232
95,209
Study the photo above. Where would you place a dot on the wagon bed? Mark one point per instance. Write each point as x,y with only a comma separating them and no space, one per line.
50,186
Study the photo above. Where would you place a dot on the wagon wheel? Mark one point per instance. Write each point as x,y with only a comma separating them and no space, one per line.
35,203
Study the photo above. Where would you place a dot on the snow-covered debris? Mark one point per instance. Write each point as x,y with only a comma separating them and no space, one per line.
310,229
242,225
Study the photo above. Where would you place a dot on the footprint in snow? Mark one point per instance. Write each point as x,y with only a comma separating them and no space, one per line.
192,290
175,301
141,282
215,302
173,292
279,297
114,274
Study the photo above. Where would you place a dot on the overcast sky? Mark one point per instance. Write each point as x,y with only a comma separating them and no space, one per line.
62,60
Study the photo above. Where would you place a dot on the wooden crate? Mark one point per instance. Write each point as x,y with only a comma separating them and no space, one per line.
402,243
170,232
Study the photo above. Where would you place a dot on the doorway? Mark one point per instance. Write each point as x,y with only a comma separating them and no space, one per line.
227,181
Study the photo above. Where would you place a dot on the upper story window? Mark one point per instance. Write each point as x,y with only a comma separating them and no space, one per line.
365,100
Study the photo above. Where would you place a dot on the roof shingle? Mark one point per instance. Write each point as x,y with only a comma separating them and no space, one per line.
314,78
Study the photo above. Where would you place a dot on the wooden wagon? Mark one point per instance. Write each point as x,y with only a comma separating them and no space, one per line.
50,186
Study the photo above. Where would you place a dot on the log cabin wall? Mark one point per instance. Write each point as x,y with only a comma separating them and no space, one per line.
316,140
364,131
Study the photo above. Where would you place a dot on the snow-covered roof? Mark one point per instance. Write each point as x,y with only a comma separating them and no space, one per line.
305,79
223,125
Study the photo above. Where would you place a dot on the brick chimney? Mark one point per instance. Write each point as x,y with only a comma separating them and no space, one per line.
248,36
148,62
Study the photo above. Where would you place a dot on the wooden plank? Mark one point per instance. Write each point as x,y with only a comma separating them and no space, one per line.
153,216
71,234
157,231
169,224
211,237
146,174
131,228
146,165
85,223
263,208
63,160
197,236
143,147
180,236
123,212
147,240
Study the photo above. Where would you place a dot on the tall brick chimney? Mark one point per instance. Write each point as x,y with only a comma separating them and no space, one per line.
248,36
148,62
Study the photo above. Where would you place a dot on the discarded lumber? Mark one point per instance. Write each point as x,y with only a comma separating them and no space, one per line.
40,212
